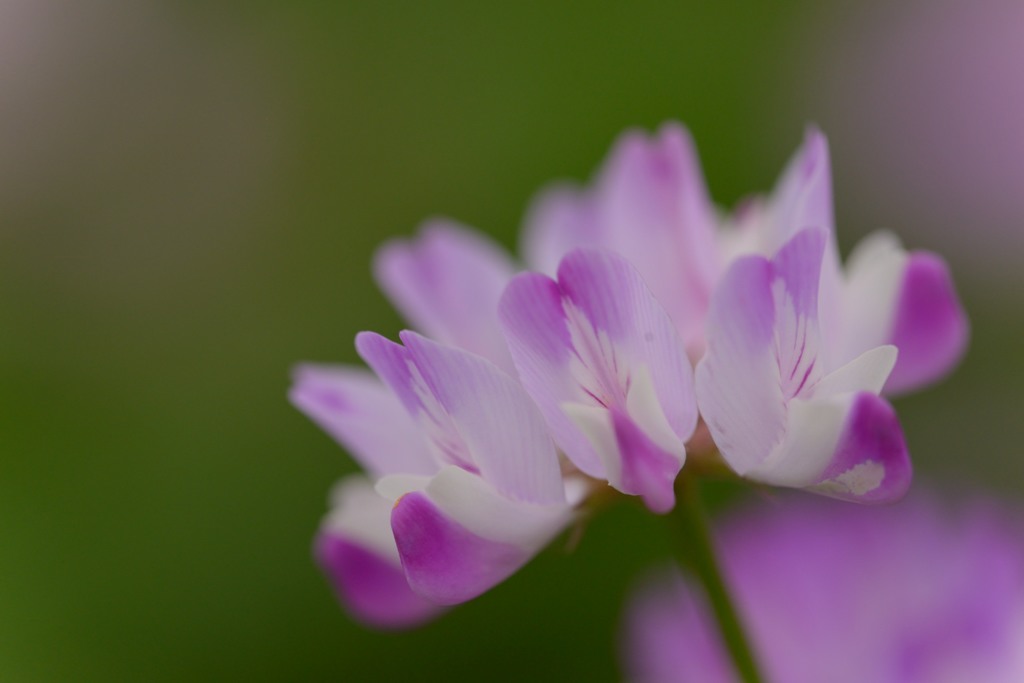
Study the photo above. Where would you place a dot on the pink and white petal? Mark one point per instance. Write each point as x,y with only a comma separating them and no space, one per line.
905,299
931,328
447,283
498,423
560,219
534,322
362,414
737,381
797,270
656,212
625,332
459,537
648,470
357,553
634,463
849,447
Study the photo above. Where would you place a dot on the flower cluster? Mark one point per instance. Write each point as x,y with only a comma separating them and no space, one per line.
649,330
902,594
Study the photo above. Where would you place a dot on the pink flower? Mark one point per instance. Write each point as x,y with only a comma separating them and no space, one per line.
606,366
848,594
468,486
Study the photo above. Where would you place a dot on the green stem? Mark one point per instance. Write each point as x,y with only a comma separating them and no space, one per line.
696,550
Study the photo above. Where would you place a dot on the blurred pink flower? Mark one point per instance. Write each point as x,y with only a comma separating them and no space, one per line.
904,594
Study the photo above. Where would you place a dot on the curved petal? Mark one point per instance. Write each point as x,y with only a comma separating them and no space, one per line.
655,210
357,410
447,283
930,329
537,330
358,555
560,219
615,301
496,420
649,204
908,300
738,387
458,537
849,447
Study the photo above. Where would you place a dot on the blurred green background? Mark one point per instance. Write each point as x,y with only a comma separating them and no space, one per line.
190,194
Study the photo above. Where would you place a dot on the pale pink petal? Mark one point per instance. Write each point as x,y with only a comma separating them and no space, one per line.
738,380
655,211
447,282
498,423
357,410
560,219
617,305
536,328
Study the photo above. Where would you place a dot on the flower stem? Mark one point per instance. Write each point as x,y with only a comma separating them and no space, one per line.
696,550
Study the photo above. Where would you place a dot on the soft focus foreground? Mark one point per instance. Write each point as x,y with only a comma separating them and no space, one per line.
189,198
920,592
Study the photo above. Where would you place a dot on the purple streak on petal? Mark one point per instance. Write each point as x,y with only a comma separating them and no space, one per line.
798,266
371,588
871,437
647,470
494,418
360,412
447,283
930,327
443,561
613,296
533,320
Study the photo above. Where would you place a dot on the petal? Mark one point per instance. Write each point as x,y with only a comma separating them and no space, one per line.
647,469
535,326
797,269
615,301
802,199
459,537
394,366
656,212
738,387
357,410
909,300
931,328
496,420
849,447
803,195
447,283
560,219
357,553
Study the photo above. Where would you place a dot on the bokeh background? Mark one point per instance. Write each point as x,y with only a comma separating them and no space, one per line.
189,197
